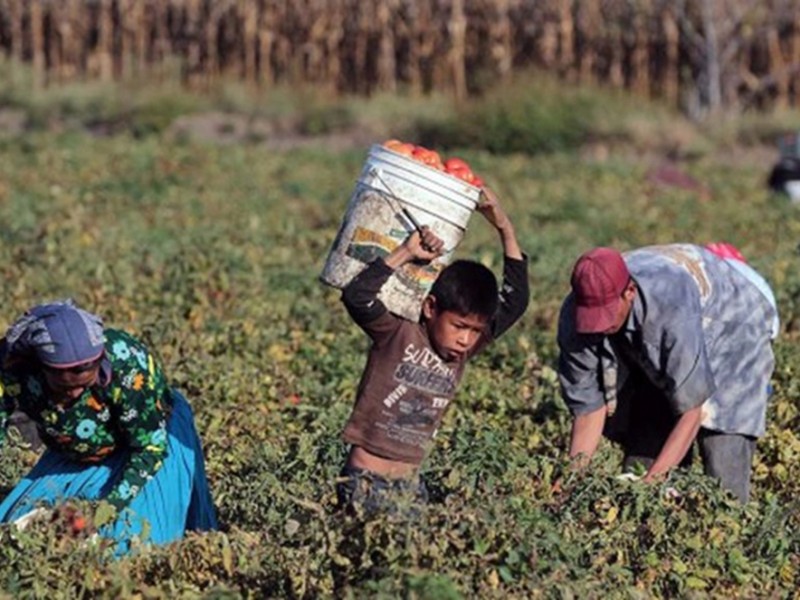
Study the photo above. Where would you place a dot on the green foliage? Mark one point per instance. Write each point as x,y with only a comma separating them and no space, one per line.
211,254
535,117
318,120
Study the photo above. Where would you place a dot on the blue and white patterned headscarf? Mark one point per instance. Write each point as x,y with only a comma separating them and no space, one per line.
58,334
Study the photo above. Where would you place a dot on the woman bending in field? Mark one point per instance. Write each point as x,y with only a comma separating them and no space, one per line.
113,428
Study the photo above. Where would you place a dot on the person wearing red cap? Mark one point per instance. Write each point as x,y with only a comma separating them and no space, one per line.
665,345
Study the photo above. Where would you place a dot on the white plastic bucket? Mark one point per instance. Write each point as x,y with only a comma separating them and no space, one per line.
374,224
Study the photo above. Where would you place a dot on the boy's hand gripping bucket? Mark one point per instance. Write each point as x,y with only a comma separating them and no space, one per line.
393,196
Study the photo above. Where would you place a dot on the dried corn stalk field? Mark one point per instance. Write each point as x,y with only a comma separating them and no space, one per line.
693,53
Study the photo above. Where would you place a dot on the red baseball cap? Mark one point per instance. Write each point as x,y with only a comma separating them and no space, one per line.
598,280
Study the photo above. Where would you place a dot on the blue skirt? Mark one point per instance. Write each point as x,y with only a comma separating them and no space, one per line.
175,500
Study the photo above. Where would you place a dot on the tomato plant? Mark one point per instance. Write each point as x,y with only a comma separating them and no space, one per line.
211,254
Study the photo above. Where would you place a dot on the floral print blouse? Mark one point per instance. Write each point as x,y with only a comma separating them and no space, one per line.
127,409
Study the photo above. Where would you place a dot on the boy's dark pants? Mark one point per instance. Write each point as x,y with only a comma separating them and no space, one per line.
643,421
373,493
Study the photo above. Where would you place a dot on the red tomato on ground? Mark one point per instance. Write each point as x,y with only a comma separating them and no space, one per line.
78,524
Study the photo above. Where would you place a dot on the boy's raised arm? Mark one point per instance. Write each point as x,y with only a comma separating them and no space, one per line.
514,289
490,208
360,296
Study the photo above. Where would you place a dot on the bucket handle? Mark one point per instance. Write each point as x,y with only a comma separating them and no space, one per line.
391,198
394,201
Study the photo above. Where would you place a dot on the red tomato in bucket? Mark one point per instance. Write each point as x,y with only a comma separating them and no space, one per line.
459,168
428,157
399,147
455,164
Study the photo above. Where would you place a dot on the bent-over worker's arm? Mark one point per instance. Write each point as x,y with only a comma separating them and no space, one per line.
587,429
141,409
684,357
582,386
10,389
677,444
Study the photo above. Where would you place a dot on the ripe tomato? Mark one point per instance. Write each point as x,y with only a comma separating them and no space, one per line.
458,168
428,157
456,164
400,147
78,524
463,174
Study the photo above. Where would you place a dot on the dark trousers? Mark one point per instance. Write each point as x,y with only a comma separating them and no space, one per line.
362,489
643,421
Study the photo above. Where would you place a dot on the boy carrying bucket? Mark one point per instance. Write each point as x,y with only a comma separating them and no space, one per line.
413,368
